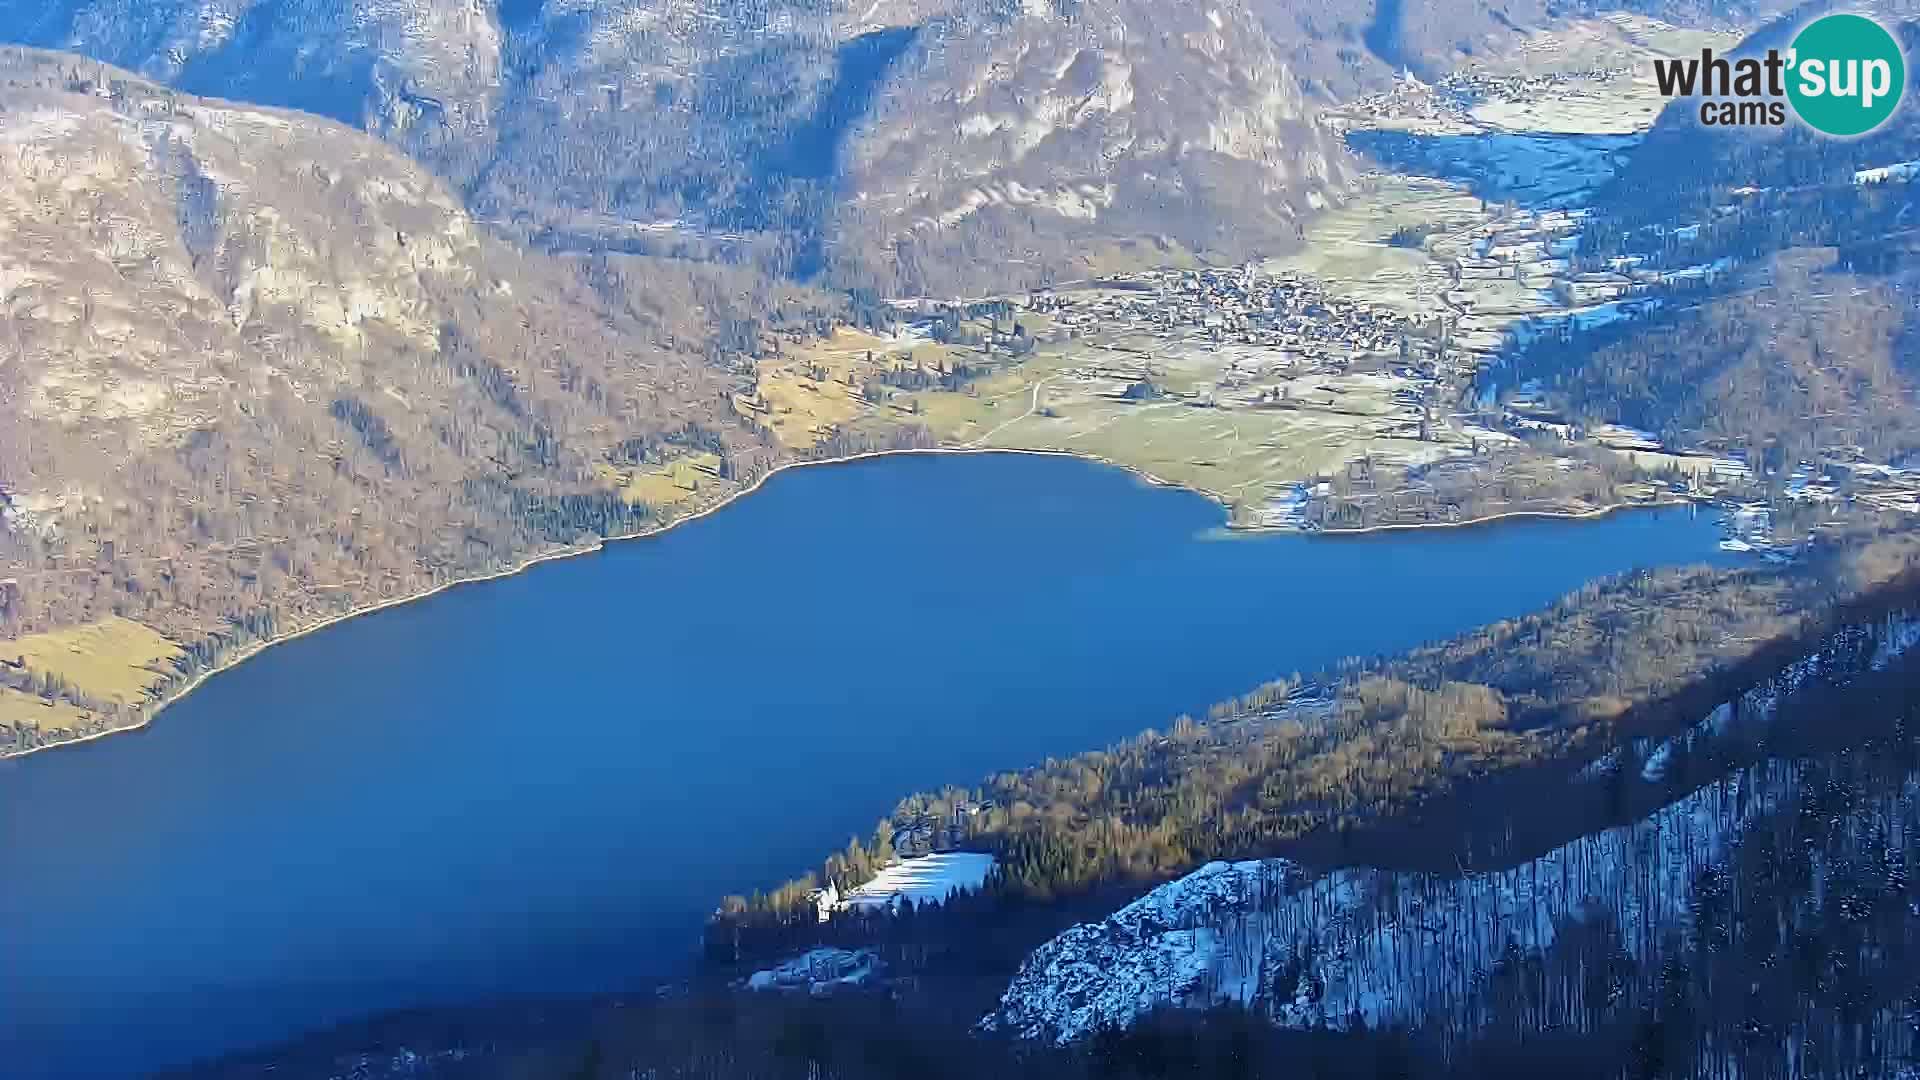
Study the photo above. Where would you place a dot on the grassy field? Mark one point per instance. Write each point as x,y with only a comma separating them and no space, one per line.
669,485
1620,106
114,660
1347,245
1065,398
32,710
1614,40
1241,456
808,390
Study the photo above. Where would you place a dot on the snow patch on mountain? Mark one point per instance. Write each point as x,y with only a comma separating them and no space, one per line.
1366,945
819,971
927,879
1898,172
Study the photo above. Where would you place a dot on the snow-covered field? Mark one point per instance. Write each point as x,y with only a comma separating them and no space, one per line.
1897,173
1590,317
1698,272
929,877
819,971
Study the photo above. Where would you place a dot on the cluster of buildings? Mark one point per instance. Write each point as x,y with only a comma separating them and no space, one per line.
1237,306
1623,276
1883,488
1449,100
1728,480
1469,88
1833,484
1506,277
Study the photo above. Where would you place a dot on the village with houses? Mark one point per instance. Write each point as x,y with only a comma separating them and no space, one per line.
1300,402
1360,382
1448,103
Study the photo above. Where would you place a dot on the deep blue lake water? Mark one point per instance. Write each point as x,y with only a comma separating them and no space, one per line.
543,783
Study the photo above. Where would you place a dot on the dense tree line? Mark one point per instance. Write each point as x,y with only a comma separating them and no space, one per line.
718,1036
713,1035
1799,358
1501,480
1284,770
1791,951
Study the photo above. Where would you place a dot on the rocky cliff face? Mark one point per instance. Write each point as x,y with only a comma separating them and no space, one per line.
910,145
915,146
915,143
378,64
149,238
1090,124
1368,948
251,359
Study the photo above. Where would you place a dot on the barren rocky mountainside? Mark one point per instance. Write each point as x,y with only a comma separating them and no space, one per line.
1128,122
256,368
911,146
914,145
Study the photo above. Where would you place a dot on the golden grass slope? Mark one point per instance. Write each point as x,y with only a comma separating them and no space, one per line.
117,660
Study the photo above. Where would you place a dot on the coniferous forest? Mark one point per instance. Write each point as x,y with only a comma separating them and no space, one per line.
1786,952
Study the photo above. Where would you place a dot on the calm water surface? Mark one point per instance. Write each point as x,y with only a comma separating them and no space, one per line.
543,783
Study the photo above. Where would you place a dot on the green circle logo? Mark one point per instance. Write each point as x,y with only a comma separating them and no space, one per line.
1846,76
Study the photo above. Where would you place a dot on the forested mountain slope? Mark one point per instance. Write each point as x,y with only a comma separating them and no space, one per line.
1729,895
1412,761
257,368
1761,926
1790,331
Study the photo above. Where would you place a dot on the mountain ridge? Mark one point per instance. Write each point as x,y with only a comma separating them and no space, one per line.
421,400
647,111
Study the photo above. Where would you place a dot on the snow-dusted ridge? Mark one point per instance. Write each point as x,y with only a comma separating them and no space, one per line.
1369,945
1409,949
